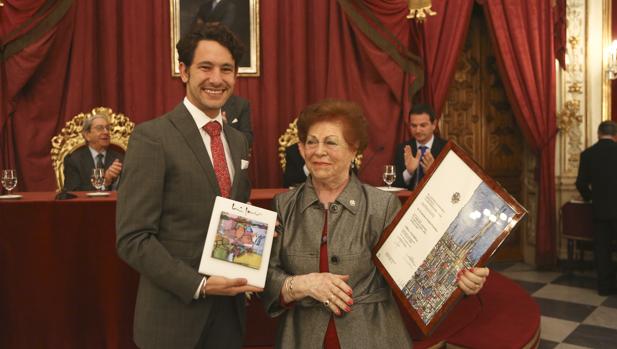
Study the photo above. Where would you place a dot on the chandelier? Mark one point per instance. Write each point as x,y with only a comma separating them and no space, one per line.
419,9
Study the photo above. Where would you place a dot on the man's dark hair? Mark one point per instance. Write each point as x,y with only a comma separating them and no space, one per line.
607,128
214,31
422,109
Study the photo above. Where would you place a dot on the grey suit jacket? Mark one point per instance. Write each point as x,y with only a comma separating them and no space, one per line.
355,222
78,168
164,206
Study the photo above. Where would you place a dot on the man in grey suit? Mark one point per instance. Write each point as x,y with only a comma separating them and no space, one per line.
79,164
174,168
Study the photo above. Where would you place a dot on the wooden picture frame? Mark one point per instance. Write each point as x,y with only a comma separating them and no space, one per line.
241,16
455,219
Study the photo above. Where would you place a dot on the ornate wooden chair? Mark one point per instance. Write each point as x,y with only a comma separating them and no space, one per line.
71,139
290,137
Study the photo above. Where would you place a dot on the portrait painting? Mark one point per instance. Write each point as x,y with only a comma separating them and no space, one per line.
241,16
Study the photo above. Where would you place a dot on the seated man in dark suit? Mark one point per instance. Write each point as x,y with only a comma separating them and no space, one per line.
237,113
597,181
79,164
411,164
295,169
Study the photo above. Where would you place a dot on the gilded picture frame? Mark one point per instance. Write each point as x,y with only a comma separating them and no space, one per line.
449,223
242,16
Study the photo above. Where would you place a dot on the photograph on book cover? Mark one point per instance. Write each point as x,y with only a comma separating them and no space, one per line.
455,220
238,242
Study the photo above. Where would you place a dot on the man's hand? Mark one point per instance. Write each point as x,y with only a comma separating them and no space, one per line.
113,172
411,162
427,161
222,286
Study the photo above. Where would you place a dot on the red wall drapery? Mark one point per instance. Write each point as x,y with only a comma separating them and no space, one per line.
441,38
522,32
117,54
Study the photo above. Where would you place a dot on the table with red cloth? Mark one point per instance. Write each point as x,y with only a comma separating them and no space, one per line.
63,286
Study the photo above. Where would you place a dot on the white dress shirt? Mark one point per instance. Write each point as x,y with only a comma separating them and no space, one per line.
201,119
95,153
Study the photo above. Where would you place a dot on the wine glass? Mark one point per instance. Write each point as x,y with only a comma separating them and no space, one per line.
9,180
389,175
98,178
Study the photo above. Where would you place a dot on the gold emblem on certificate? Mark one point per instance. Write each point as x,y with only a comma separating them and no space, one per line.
456,197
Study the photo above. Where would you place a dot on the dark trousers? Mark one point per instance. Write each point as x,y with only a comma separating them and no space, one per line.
604,232
224,329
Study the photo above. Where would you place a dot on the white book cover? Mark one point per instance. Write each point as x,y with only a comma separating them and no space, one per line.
239,241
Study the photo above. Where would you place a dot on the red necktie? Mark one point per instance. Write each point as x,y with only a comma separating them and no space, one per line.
213,128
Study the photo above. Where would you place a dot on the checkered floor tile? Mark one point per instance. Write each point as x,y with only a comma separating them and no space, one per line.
573,314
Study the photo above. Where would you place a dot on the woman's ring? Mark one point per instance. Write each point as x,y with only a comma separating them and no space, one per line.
326,303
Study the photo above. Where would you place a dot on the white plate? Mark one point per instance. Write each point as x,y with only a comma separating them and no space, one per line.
9,197
97,194
391,188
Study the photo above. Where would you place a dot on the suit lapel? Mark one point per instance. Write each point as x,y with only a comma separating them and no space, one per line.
414,147
86,161
182,120
231,109
109,158
438,145
218,11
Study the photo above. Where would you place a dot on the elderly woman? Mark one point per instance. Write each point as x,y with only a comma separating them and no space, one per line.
321,278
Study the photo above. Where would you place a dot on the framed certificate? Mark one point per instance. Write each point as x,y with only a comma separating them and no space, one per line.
239,241
455,219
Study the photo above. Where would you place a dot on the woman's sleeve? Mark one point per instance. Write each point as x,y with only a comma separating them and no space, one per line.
276,274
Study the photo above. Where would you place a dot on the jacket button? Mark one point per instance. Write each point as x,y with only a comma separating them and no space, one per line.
334,208
334,259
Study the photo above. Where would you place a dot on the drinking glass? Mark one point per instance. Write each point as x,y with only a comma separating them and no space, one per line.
9,180
98,178
389,175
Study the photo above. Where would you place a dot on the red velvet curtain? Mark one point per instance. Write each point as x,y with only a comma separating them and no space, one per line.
315,52
441,38
523,39
117,54
101,53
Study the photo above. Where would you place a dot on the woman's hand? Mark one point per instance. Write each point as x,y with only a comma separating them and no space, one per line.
472,280
329,289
